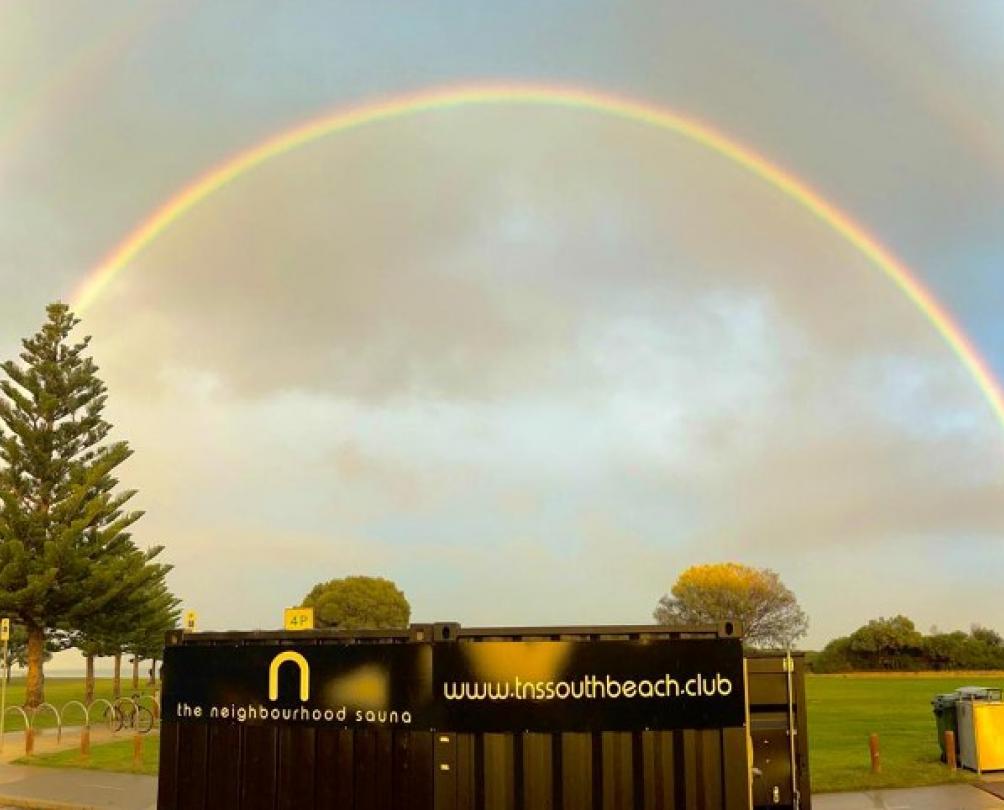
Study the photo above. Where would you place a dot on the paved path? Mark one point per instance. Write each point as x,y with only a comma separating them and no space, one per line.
119,791
97,789
939,797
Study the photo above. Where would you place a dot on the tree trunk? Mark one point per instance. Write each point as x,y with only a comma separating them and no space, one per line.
89,681
153,672
135,673
117,680
35,688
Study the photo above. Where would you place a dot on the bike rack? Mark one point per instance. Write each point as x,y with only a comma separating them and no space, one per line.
95,702
85,731
59,718
87,714
28,735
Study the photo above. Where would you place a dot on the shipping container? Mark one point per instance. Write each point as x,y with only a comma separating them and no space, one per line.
441,717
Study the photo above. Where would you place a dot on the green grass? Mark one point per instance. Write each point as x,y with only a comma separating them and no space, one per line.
843,711
115,756
59,691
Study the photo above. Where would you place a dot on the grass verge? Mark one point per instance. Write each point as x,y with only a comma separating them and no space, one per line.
114,756
844,711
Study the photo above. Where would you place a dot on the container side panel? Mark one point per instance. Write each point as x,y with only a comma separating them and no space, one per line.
192,766
499,779
576,771
618,771
689,773
538,790
711,768
412,771
224,767
802,740
768,689
258,771
167,776
384,751
365,770
735,763
657,765
297,767
466,771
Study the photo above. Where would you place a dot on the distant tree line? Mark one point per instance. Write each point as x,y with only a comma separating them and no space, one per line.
895,644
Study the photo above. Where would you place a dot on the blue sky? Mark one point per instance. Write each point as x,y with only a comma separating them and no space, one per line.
529,363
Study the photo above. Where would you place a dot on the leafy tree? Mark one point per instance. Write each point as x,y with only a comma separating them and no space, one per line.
895,644
944,650
986,636
834,657
768,610
891,643
359,603
62,525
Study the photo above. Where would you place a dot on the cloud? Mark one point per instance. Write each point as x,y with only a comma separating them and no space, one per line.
515,359
455,254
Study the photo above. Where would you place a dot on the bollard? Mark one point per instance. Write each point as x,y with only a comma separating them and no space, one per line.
873,747
29,741
950,750
137,750
85,741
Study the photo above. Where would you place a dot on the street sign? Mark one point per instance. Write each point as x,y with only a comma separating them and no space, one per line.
4,629
301,618
191,617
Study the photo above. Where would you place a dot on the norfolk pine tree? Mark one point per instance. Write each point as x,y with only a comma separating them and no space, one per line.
160,613
62,526
105,631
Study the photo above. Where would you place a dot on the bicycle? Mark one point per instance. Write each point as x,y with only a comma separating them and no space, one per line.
129,714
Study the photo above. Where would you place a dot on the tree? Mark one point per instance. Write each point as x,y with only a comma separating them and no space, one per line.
893,643
705,594
359,603
17,650
62,525
986,635
160,613
140,600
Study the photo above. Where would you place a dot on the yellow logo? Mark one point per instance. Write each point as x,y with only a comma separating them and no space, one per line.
273,674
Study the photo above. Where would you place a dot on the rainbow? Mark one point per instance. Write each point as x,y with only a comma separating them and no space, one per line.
561,97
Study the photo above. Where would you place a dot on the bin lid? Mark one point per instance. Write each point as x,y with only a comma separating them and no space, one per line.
978,693
944,700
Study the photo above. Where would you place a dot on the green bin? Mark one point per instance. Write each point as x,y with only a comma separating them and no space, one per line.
945,717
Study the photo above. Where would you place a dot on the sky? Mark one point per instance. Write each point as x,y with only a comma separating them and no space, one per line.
529,362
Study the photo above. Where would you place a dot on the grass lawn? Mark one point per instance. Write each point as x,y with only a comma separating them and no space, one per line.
843,711
115,756
59,691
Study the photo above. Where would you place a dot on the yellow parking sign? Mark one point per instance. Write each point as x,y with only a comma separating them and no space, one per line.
5,630
301,618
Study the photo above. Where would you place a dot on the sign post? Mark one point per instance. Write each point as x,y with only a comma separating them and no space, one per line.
5,638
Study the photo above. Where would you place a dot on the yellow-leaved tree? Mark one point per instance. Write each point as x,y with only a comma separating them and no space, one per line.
757,597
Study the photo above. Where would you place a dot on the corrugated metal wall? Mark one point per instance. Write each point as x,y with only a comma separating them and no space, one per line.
238,767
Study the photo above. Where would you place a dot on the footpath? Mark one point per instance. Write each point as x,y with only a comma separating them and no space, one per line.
27,786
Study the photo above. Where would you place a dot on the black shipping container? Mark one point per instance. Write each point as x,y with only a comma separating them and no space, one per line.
239,732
